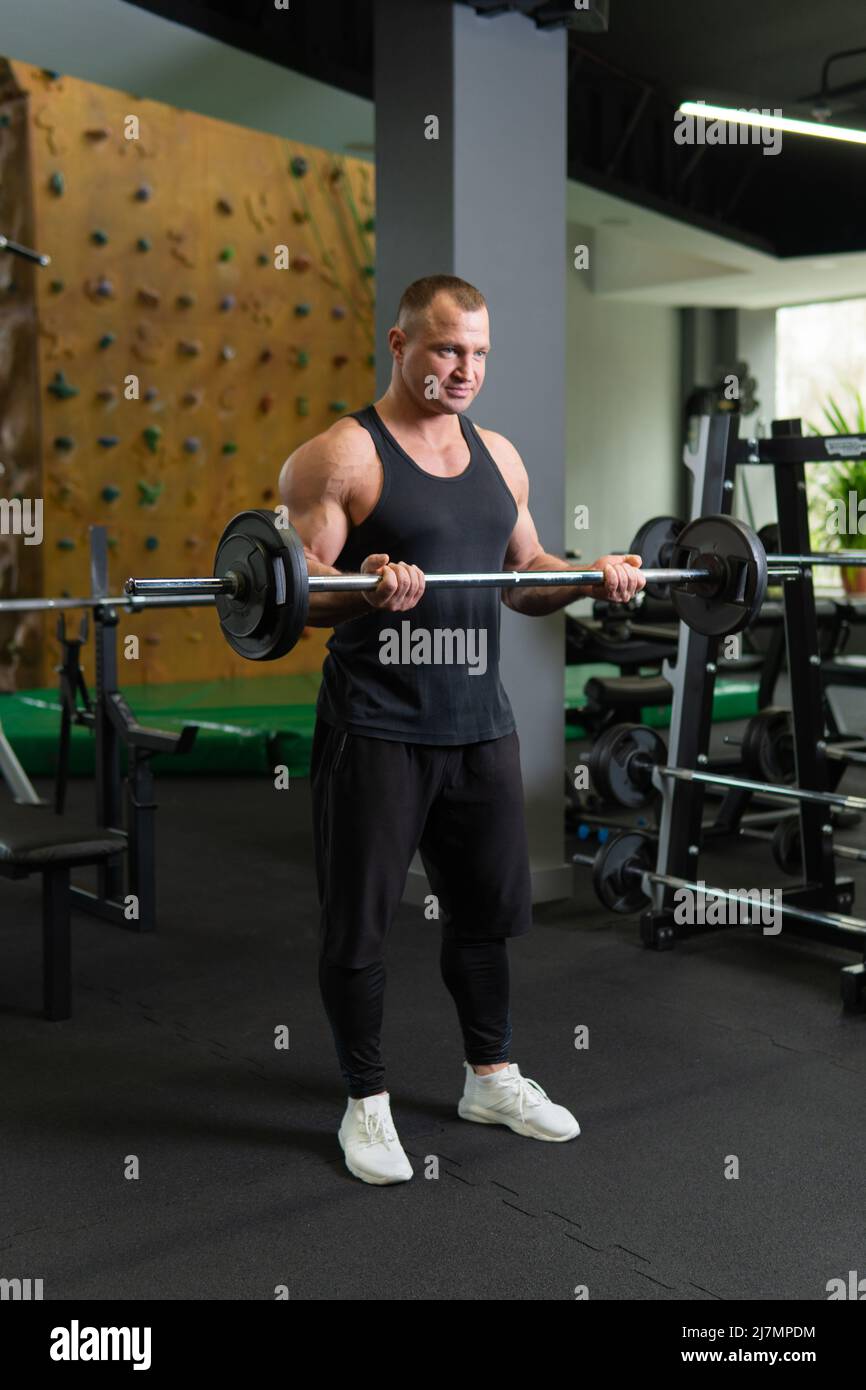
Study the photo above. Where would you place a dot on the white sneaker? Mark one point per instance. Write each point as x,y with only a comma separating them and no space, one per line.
515,1101
369,1141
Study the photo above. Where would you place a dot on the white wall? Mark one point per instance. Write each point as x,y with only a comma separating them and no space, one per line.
121,46
623,444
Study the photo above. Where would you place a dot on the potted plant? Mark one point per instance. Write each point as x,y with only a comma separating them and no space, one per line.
838,501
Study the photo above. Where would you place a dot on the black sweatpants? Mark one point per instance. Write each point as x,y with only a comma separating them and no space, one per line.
374,803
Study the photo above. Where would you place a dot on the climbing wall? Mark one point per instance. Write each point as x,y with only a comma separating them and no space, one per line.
207,308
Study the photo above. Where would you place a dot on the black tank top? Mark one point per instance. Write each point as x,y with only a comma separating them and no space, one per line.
451,692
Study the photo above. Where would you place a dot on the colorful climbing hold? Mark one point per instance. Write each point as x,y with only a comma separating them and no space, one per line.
299,166
191,444
299,216
151,543
368,270
107,339
185,301
337,406
266,404
339,311
143,192
191,398
149,493
190,347
64,442
57,286
302,358
99,237
263,258
227,302
151,393
302,310
227,352
66,543
143,244
110,493
57,183
61,388
303,405
370,224
151,436
230,447
302,261
105,393
265,355
227,253
224,206
340,359
371,359
108,441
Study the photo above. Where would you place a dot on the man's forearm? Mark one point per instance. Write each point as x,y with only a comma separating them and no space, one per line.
536,602
326,610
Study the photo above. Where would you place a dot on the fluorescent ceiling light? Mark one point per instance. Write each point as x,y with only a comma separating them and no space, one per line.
771,122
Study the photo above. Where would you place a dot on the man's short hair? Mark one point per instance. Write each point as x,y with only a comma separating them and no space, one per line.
419,295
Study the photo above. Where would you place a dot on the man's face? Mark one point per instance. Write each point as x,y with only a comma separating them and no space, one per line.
442,359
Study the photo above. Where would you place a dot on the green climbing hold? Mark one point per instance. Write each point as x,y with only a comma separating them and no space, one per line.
371,359
151,437
230,447
57,286
368,270
66,543
64,442
112,542
110,493
143,243
263,258
303,358
61,388
301,310
107,339
150,493
57,183
299,166
99,237
303,405
370,224
337,406
227,253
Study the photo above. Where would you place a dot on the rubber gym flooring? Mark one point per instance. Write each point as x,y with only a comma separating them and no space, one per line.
732,1044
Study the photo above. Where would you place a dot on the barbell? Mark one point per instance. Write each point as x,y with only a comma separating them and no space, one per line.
718,577
623,869
626,757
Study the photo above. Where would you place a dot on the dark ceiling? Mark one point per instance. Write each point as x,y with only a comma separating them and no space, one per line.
623,88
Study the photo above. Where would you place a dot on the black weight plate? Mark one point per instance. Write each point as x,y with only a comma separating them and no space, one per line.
616,774
268,616
654,543
768,746
787,846
615,889
732,600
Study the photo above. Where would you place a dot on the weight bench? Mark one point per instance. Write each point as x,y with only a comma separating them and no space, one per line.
32,840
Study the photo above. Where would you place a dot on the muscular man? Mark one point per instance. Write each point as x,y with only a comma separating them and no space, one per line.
415,744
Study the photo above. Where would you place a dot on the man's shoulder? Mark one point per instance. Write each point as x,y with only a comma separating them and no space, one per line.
501,449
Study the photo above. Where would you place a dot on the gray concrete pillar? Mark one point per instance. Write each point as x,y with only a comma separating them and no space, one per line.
486,201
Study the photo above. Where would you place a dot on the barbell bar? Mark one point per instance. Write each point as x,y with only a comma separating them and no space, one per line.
718,574
127,601
622,867
625,757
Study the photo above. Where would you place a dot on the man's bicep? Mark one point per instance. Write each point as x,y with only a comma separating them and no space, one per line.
307,487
